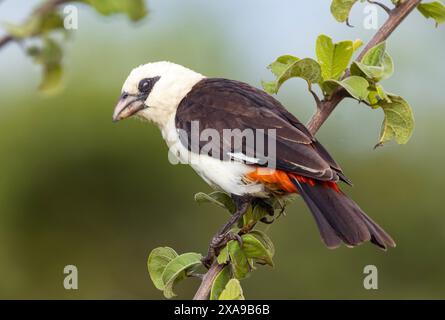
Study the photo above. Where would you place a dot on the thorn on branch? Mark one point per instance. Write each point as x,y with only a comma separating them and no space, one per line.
380,144
316,98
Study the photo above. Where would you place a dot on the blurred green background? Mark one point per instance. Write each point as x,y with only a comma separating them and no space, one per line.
77,189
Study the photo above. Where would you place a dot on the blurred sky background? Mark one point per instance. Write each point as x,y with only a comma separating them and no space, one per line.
77,189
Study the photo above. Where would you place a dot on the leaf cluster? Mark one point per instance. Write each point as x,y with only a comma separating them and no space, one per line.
435,10
42,27
334,69
238,258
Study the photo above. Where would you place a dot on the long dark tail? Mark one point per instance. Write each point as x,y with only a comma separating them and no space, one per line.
341,219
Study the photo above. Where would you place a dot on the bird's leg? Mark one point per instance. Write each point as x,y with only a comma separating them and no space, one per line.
224,235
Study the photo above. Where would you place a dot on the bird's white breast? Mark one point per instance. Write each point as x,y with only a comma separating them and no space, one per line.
223,175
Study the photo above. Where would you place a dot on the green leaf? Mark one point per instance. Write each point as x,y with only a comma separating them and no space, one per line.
232,291
24,30
373,98
36,25
434,10
50,53
270,87
276,203
51,78
382,93
157,261
307,69
280,65
253,216
176,269
220,282
399,121
221,199
388,67
333,58
223,256
357,44
376,65
328,87
248,218
238,259
372,73
374,57
50,57
259,212
377,94
265,240
356,86
50,22
255,249
340,9
134,9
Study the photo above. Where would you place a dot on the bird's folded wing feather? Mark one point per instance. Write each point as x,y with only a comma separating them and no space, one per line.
226,104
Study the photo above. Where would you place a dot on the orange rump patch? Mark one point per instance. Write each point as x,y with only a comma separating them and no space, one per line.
281,180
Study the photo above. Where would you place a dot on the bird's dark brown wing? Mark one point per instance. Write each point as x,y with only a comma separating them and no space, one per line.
226,104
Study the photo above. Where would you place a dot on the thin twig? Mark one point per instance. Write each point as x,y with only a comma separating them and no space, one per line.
396,17
40,10
316,98
5,40
381,5
49,6
326,107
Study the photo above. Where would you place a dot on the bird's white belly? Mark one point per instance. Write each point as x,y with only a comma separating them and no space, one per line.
223,175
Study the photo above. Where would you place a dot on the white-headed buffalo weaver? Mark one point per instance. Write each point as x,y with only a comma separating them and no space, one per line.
172,97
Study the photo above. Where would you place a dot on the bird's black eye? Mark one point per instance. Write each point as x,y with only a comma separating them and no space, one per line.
145,85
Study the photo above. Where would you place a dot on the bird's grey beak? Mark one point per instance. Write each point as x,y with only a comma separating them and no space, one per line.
128,105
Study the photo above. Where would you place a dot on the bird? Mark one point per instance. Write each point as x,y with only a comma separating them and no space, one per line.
185,104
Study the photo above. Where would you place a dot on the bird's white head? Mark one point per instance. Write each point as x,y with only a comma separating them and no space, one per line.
153,91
